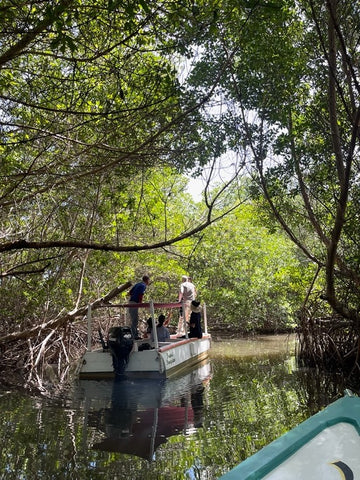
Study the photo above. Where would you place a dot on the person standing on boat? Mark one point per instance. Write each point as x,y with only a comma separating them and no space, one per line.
190,281
187,294
136,296
195,320
162,332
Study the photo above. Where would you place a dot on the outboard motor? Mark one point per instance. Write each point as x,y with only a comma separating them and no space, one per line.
120,344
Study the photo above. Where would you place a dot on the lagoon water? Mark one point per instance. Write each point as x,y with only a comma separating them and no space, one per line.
194,427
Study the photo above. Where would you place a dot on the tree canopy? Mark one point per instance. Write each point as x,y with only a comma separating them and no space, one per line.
290,105
105,105
91,100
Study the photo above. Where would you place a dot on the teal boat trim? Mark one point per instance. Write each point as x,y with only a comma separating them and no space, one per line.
343,410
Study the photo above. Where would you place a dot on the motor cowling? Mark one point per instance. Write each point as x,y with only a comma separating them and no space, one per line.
120,343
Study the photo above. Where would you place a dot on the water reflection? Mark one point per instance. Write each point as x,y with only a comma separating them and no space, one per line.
137,416
192,427
258,346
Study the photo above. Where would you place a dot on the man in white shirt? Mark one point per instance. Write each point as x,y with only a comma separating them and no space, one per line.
187,294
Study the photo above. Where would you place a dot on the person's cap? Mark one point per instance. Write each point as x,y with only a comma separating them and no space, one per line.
195,306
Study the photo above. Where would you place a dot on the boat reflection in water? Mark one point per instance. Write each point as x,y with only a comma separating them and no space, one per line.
136,416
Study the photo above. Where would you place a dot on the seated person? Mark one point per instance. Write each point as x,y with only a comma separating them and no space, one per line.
148,328
163,333
195,320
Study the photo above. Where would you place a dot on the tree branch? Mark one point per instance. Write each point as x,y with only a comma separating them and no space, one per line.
63,319
16,49
27,245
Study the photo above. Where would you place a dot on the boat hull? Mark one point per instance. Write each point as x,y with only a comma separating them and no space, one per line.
170,359
324,447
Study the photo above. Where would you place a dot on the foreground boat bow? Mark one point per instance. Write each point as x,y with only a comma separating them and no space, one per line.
324,447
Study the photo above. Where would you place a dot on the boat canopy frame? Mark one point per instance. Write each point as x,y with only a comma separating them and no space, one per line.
151,305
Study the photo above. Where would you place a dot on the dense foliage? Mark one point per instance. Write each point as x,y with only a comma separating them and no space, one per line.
106,105
250,279
290,107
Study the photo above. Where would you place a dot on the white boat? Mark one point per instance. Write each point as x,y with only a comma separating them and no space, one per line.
324,447
123,355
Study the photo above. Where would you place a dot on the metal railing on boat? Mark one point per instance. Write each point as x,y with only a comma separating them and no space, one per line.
151,306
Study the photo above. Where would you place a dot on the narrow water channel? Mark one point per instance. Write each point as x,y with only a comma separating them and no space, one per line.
194,427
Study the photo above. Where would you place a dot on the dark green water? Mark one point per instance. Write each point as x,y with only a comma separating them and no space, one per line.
196,427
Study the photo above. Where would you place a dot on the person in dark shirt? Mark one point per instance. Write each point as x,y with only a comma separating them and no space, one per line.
162,332
136,296
195,320
148,328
